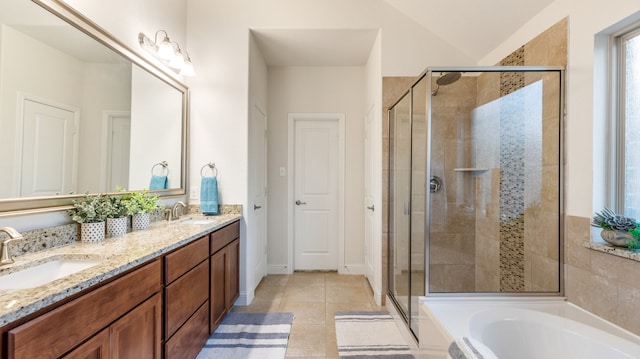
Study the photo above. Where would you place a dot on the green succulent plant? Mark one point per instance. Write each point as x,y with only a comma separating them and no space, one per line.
117,207
141,202
608,219
90,209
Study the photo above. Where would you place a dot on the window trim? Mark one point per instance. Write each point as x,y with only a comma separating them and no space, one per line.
616,99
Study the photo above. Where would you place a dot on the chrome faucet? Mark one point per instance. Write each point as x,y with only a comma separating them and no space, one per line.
5,254
174,210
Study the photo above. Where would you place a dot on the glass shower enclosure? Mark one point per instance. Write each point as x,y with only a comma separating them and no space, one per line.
475,185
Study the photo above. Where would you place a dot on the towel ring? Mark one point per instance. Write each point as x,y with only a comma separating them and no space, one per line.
162,164
213,168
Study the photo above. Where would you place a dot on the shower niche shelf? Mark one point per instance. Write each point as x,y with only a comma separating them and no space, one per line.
470,169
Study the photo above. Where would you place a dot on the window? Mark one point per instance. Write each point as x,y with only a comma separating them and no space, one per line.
627,123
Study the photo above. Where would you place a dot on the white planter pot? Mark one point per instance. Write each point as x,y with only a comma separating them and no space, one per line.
117,226
140,221
92,232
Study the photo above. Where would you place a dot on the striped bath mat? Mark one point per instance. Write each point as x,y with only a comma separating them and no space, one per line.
364,335
249,335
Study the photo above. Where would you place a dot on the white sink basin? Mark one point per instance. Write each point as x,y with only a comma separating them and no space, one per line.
44,273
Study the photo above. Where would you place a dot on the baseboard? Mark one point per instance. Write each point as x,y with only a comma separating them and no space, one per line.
352,269
244,299
277,269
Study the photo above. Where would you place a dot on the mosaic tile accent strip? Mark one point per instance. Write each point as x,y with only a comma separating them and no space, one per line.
512,180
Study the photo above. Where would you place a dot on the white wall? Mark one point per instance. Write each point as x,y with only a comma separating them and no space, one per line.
316,90
218,39
125,19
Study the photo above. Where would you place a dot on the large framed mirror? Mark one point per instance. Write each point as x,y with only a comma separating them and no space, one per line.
82,113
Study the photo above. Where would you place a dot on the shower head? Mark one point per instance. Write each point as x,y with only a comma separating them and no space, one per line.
446,79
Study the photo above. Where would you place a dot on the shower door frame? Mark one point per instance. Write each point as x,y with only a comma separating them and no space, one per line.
562,114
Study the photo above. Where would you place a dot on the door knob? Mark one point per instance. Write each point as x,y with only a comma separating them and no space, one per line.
299,202
256,207
372,207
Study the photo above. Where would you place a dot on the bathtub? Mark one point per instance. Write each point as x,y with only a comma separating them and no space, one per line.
522,328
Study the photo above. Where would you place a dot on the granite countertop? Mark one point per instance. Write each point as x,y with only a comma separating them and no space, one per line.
116,255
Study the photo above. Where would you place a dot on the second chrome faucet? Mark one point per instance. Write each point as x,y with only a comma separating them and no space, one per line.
176,211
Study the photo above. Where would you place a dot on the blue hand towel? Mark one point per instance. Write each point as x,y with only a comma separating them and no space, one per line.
209,195
158,182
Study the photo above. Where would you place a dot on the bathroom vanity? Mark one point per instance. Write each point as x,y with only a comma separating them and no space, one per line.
157,293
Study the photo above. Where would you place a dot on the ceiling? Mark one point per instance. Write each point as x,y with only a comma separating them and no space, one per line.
293,47
475,27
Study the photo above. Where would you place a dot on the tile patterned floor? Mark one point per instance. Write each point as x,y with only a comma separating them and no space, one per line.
313,297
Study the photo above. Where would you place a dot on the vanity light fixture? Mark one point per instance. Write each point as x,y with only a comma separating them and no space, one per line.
168,52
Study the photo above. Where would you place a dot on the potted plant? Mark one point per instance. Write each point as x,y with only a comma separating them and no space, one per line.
617,229
90,211
118,216
140,204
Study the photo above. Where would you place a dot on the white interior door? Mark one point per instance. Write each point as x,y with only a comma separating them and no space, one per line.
369,198
118,150
316,193
258,178
49,150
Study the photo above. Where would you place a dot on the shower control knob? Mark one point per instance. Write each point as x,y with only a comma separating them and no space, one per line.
435,184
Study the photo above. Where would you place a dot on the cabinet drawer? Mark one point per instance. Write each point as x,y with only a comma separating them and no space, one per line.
180,261
189,339
55,332
184,296
224,236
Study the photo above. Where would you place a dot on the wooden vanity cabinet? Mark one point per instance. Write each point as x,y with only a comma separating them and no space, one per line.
163,309
225,269
186,298
128,309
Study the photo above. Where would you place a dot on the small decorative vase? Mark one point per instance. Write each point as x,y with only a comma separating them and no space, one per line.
140,221
92,232
616,238
116,226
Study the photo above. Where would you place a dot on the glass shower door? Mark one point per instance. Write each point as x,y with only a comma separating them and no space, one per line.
399,202
495,144
418,198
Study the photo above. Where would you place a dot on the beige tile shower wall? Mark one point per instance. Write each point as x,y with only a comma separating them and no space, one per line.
604,284
487,219
452,238
541,225
542,221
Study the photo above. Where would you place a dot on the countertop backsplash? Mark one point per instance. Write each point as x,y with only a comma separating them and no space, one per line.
46,238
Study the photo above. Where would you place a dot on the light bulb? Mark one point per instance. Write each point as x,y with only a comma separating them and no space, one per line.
177,62
187,70
165,49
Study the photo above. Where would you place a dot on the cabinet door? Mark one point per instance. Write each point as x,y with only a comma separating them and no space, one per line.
138,334
95,348
233,272
217,298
